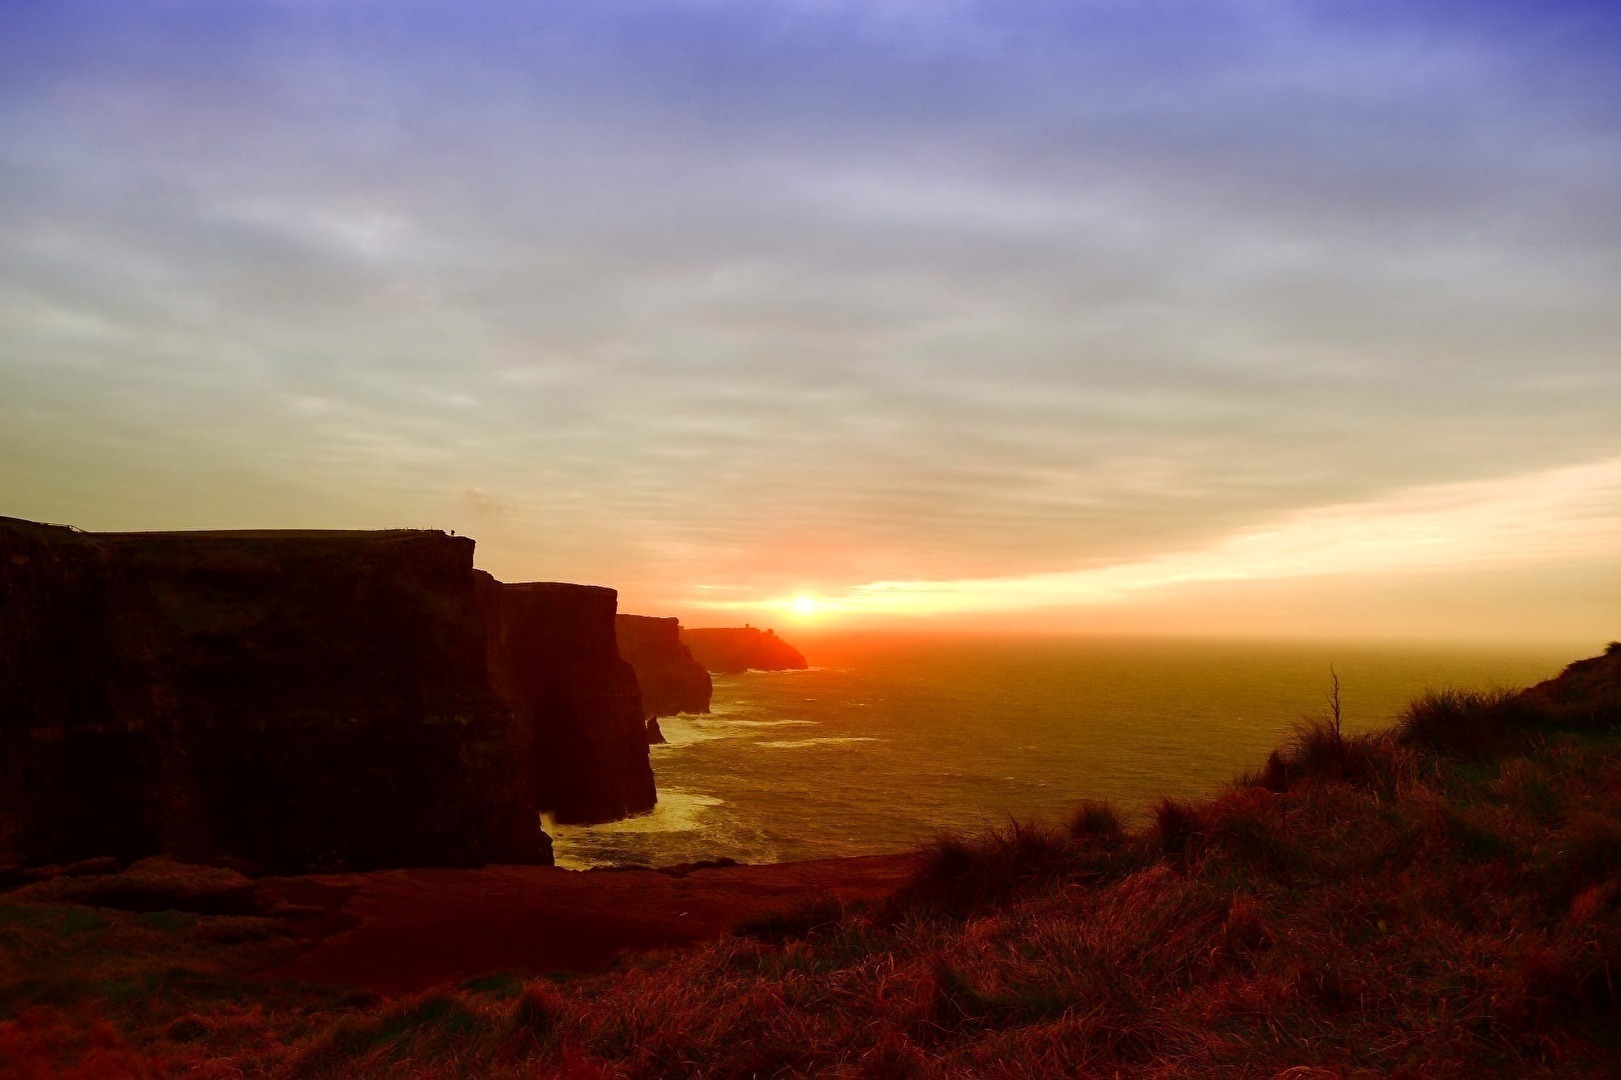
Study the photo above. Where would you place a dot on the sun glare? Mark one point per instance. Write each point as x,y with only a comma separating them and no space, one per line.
805,605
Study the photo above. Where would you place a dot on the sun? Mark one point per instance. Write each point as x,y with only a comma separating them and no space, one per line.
805,604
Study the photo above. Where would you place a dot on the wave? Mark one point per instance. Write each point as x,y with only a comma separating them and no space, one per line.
796,744
676,811
685,730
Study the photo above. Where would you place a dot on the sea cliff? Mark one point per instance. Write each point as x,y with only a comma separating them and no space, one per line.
730,650
298,700
580,740
670,679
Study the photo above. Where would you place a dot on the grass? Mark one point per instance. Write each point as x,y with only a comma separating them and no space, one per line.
1442,899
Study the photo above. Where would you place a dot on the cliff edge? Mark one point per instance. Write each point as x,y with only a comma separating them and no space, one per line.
581,739
672,681
299,700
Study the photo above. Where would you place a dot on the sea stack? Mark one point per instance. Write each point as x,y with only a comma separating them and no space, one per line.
299,700
581,739
671,680
735,649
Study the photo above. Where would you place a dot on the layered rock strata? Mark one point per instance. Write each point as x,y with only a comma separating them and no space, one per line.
580,734
671,680
299,700
730,650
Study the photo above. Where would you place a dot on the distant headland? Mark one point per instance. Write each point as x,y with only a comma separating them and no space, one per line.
736,649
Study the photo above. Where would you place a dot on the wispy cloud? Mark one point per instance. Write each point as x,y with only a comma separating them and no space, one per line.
792,295
1548,517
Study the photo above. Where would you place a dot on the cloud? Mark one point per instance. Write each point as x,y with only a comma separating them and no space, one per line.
786,296
1557,516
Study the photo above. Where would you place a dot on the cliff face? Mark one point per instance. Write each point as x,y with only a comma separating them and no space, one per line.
300,700
581,739
671,680
730,650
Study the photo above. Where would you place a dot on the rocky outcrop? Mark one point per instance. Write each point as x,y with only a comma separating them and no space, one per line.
670,679
580,734
298,700
730,650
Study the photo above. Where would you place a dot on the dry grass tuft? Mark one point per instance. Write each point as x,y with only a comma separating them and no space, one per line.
1465,723
1096,822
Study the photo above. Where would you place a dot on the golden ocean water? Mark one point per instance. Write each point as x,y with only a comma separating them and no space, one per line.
887,741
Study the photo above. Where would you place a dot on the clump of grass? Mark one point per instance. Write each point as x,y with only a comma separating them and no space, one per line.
1245,825
797,922
415,1027
1178,826
1525,786
959,875
539,1009
1585,852
1318,750
1465,723
1095,822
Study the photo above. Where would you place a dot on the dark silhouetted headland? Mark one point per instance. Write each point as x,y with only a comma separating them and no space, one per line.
732,650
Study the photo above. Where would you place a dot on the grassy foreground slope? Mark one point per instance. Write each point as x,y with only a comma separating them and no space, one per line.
1443,899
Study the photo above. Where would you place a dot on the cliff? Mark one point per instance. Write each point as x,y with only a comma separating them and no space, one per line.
671,680
729,650
300,700
580,734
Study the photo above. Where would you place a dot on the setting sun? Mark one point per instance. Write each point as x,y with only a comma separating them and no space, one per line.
805,605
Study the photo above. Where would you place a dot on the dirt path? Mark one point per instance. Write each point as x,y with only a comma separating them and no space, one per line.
398,931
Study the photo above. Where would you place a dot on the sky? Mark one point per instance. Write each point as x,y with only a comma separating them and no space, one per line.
1269,317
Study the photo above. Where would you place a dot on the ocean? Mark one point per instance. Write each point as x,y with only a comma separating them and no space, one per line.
886,742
